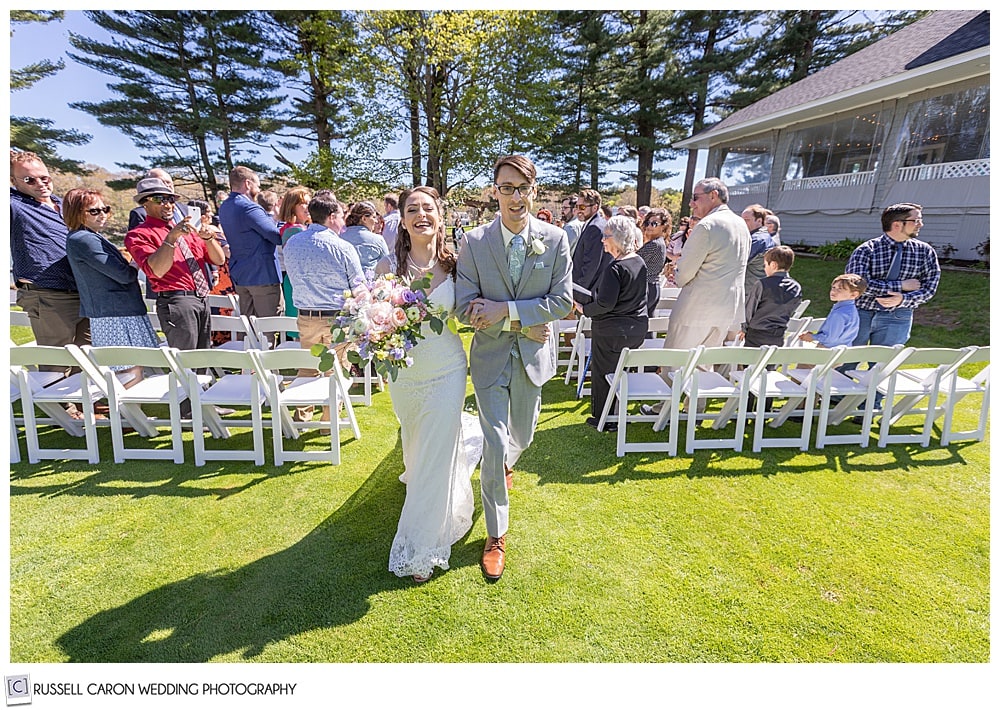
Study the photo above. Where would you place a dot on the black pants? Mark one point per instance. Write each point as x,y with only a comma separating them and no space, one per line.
755,338
608,339
186,321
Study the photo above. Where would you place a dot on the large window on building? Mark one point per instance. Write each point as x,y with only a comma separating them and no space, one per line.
849,144
747,163
947,129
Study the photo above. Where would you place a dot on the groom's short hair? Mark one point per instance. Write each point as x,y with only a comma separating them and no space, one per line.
520,163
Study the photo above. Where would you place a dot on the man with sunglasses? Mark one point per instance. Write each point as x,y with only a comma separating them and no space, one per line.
138,214
47,291
174,258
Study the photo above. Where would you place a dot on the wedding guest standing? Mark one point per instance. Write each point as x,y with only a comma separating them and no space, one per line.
359,233
46,289
109,284
655,226
618,311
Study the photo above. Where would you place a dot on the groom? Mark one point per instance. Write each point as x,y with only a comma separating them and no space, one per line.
514,278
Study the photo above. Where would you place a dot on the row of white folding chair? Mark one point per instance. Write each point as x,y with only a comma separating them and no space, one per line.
178,376
767,374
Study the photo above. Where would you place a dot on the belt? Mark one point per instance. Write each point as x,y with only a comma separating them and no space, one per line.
177,293
28,286
318,314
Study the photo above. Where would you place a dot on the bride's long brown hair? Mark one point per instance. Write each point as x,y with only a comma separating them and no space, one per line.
442,252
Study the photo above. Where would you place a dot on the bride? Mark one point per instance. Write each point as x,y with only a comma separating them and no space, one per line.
427,398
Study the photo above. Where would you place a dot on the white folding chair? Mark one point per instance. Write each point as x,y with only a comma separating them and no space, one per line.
628,386
853,397
579,358
76,389
327,391
704,383
914,388
795,328
230,389
564,331
224,300
236,326
368,377
958,388
37,380
775,384
655,332
159,385
271,332
801,308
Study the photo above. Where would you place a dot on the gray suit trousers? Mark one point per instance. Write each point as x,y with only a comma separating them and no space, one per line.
508,413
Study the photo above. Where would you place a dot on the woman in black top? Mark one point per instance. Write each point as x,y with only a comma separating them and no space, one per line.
618,311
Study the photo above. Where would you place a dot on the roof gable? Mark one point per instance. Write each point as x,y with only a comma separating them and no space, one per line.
938,36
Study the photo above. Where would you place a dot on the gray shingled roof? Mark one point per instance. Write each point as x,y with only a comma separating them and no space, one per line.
938,36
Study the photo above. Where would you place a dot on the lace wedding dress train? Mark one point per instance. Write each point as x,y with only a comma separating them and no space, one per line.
440,445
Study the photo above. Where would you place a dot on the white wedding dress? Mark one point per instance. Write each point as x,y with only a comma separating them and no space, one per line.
438,455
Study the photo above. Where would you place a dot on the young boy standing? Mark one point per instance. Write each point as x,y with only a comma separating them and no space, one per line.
771,301
841,326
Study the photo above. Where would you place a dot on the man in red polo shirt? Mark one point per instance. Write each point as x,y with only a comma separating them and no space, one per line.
174,259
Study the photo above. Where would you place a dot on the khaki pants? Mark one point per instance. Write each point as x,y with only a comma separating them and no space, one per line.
55,318
313,330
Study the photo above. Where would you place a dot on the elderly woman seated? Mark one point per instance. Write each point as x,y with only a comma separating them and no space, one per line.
618,309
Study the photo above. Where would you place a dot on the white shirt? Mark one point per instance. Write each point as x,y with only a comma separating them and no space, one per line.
508,236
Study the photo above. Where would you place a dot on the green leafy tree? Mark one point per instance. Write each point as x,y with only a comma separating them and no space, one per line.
466,86
39,135
194,90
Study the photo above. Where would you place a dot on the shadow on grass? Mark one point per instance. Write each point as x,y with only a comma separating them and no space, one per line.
323,581
141,478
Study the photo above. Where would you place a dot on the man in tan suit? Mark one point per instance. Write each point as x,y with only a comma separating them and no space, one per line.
710,271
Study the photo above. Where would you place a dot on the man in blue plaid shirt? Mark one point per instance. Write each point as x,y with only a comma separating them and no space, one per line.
902,273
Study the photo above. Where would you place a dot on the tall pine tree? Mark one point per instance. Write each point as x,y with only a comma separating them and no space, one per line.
193,88
39,135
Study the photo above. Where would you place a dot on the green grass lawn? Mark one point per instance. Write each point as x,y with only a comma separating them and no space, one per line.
843,555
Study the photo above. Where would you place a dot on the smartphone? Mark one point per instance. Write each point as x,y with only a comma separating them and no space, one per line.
195,214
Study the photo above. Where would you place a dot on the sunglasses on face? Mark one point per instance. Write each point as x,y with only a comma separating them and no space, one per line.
44,180
94,211
654,224
162,199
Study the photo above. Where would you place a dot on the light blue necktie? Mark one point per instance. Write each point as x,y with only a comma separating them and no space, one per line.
897,263
515,261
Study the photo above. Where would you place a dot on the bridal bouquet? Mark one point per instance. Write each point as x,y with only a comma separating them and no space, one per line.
381,320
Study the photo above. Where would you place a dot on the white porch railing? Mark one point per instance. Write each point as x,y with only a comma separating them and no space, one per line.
750,188
828,181
945,171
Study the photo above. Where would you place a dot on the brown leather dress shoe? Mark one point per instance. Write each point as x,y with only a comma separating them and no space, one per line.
508,475
493,557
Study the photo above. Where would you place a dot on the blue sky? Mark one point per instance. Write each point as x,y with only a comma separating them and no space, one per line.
50,98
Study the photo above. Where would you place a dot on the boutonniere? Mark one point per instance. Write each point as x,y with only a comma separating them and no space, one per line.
537,246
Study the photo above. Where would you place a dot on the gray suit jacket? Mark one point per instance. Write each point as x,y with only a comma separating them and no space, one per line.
544,294
710,271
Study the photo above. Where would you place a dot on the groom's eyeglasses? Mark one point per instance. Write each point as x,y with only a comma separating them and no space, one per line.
522,190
